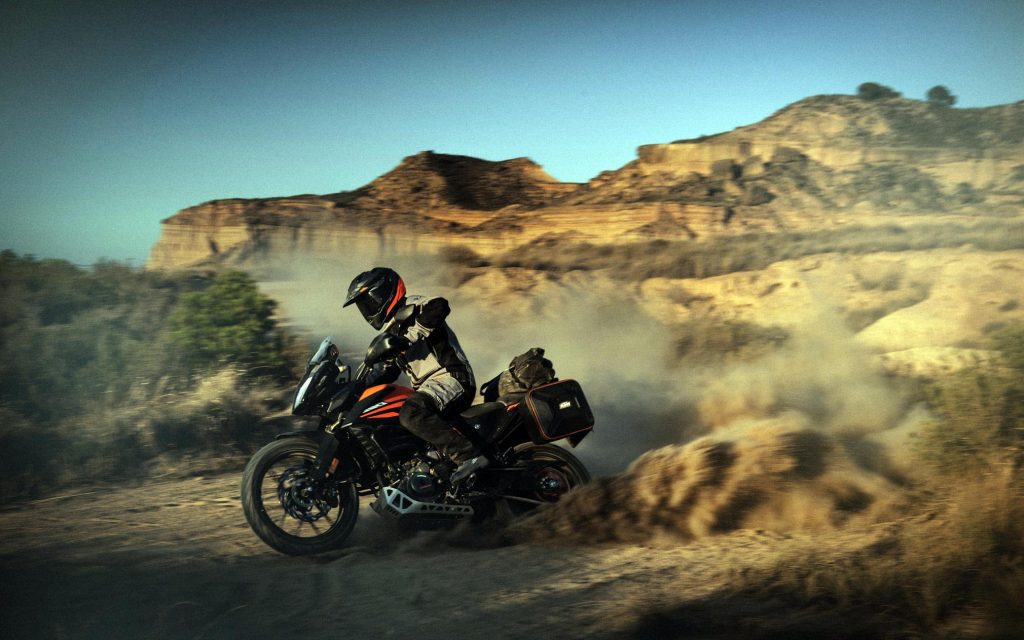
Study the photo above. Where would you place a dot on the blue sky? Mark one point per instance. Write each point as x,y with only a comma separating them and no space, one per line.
114,115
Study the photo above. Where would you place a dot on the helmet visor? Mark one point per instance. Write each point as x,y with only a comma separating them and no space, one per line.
368,305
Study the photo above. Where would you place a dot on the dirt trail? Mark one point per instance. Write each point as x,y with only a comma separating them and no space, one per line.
175,559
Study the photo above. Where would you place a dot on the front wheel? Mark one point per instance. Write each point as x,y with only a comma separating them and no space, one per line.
553,472
288,507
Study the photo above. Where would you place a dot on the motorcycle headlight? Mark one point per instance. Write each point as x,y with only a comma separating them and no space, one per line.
301,395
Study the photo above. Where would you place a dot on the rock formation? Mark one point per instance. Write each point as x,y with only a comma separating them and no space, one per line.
892,220
825,159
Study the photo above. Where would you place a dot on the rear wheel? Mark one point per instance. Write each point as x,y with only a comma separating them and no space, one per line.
553,472
288,507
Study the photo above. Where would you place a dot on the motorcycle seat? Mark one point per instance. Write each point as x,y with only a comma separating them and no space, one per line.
482,422
479,410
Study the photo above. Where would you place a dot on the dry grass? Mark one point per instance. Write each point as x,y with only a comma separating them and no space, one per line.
686,259
178,432
957,571
704,339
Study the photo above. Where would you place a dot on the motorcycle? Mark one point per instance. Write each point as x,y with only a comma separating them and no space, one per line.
301,492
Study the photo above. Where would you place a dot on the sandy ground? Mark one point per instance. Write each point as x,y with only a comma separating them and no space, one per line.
175,559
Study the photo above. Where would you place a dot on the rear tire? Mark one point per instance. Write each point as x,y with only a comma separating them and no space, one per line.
284,496
566,464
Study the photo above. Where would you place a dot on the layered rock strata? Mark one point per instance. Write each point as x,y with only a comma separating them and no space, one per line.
820,162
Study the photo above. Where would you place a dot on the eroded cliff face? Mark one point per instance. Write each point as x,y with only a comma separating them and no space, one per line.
823,161
427,202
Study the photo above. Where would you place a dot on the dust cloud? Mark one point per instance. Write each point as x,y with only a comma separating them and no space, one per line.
620,355
807,436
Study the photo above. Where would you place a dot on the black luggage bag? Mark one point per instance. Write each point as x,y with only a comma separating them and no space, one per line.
557,410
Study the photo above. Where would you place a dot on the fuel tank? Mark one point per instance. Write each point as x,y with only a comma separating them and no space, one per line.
379,405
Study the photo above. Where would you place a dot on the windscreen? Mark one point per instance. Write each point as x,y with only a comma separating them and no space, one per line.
322,352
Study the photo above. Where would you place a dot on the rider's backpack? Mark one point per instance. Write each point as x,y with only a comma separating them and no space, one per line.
526,371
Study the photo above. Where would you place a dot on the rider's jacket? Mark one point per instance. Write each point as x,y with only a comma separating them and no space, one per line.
435,362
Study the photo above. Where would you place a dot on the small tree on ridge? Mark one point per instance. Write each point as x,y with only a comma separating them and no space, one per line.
875,91
940,96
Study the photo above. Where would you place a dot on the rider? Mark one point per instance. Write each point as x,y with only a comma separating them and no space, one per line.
435,363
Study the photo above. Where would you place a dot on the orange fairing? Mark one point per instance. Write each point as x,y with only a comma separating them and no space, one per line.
375,415
372,390
397,393
392,402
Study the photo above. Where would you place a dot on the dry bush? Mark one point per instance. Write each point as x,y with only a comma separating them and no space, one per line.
27,457
887,278
893,300
752,251
215,415
95,383
220,419
980,422
705,339
957,571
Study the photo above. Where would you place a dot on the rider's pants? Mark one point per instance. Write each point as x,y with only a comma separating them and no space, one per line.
420,415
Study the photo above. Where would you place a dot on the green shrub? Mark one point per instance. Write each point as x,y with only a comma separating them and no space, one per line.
228,321
98,369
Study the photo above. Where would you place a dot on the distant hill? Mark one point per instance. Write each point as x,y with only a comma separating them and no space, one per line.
795,169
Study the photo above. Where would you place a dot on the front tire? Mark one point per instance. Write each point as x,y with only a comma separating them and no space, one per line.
287,509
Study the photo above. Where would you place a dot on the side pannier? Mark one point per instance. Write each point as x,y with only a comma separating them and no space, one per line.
555,411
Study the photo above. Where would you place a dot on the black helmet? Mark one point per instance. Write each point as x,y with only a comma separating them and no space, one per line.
378,293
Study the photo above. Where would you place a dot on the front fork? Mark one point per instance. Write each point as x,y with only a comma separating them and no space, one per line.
347,467
325,460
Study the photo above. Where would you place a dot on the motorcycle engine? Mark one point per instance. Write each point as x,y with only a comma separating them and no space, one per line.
421,483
